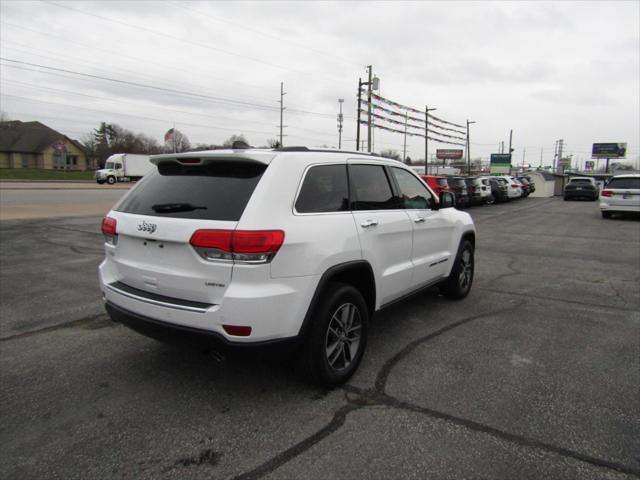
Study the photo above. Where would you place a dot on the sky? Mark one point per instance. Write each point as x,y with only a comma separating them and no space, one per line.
546,70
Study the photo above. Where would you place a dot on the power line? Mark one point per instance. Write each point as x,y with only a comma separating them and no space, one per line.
164,121
213,99
124,55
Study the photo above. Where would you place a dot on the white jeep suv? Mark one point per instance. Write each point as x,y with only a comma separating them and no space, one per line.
293,247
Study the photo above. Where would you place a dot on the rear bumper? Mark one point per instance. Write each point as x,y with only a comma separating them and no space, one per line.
195,337
607,207
581,193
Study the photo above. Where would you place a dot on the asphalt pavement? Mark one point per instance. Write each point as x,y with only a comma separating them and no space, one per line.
535,375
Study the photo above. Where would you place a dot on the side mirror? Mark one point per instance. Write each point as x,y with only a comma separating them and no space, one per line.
447,200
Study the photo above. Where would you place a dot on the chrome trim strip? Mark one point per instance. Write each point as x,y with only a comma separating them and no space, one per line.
156,302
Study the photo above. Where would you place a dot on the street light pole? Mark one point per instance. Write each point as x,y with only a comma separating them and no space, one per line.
426,137
469,122
340,118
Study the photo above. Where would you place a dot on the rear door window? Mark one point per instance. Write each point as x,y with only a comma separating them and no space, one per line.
215,191
324,189
371,189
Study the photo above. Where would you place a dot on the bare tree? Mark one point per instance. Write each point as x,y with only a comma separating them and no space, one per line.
273,143
390,154
234,138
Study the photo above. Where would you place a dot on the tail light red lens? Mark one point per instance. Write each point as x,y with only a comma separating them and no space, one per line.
514,185
218,239
252,246
110,229
606,193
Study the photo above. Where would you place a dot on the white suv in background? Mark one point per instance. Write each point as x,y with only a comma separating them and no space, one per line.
514,187
291,247
620,195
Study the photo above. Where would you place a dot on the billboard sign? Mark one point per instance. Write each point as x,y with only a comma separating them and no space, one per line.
448,154
589,165
609,150
500,162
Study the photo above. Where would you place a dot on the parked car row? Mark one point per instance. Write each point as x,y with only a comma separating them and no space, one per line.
482,190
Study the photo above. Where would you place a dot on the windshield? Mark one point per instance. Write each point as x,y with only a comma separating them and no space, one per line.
109,165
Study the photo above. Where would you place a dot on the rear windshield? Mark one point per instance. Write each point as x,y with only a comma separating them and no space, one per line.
581,180
216,191
624,183
443,182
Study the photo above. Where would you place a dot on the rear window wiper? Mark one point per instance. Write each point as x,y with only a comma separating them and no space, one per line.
176,207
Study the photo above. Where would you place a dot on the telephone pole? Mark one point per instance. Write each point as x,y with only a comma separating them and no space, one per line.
404,150
340,118
426,137
370,69
469,122
281,102
359,108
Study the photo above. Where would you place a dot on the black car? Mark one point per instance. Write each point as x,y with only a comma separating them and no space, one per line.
499,189
526,186
475,197
581,187
458,187
532,184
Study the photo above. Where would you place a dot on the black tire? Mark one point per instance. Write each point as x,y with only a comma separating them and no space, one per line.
100,182
566,198
490,200
606,214
339,302
111,180
457,286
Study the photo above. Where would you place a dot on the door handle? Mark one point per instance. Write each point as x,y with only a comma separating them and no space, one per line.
369,223
419,220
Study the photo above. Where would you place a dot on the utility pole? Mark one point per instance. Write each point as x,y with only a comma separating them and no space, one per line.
426,137
282,94
469,122
369,108
524,152
340,118
404,150
359,107
541,150
502,147
560,145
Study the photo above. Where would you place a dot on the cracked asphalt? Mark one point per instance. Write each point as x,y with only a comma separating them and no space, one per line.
535,375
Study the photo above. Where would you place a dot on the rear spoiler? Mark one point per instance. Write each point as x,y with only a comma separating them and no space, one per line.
202,158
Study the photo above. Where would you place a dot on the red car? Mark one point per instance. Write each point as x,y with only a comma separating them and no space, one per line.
436,183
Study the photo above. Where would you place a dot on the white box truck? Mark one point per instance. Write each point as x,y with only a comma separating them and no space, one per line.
123,167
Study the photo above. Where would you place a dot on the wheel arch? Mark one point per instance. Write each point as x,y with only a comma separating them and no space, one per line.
357,273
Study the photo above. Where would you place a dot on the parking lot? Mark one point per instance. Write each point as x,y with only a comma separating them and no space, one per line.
535,375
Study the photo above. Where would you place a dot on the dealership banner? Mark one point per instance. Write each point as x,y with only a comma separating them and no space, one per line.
609,150
395,130
410,109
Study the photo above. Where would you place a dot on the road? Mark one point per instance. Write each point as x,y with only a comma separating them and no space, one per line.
534,375
22,200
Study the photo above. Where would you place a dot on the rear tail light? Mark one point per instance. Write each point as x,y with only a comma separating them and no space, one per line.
606,193
514,185
251,246
110,230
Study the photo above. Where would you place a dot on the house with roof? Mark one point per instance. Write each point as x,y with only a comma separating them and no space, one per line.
34,145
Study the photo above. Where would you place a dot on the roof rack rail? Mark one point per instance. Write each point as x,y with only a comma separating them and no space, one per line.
292,149
326,150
